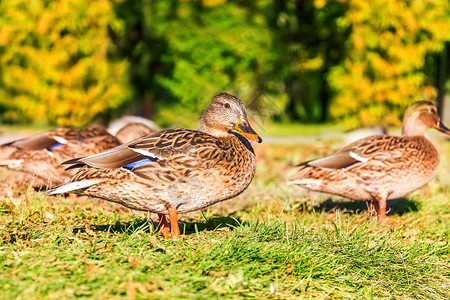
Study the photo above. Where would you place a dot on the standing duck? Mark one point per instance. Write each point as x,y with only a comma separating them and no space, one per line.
380,167
174,170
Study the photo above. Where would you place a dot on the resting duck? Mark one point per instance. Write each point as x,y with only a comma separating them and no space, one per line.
174,170
42,154
132,131
380,167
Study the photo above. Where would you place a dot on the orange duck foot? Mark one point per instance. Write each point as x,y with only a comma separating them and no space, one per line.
73,197
164,226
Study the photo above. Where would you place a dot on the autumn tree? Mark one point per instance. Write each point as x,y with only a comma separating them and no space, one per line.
56,63
384,69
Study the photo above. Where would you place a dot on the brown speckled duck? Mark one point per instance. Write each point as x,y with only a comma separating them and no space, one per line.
42,154
175,170
381,167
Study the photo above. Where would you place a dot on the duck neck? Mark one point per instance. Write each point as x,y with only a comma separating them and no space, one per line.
413,127
244,141
214,131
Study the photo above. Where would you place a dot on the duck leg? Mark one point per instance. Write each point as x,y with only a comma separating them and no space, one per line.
381,209
164,228
73,197
379,202
173,217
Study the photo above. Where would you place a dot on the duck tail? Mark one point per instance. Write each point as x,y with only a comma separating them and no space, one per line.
305,182
72,186
304,177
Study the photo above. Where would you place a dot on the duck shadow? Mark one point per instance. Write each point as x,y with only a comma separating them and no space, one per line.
211,224
394,207
186,228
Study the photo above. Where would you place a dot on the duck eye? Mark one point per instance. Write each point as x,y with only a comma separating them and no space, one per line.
226,105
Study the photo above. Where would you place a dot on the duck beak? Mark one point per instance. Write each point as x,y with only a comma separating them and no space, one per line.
441,127
244,128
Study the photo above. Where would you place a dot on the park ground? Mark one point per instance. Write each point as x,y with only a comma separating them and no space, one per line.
273,241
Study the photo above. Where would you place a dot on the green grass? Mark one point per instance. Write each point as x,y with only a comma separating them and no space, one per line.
273,241
293,129
22,128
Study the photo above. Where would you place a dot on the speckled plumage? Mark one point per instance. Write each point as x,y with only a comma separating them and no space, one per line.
380,167
183,170
42,155
194,170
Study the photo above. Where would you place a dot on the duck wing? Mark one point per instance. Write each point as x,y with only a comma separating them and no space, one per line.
36,142
58,136
151,148
377,147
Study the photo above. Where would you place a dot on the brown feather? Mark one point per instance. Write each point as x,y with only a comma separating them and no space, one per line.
37,142
114,158
192,169
338,160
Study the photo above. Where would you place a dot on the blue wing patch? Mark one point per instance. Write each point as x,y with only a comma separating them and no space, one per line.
352,164
54,146
138,164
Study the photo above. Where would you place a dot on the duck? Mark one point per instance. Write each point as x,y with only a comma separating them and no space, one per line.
42,154
379,167
116,125
175,170
132,131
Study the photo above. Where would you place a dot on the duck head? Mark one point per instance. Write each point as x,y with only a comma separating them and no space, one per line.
420,116
227,114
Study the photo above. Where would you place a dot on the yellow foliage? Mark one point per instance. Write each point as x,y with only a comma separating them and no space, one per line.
54,61
212,3
387,48
310,64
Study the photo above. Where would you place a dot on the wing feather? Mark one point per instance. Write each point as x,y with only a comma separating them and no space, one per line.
52,137
113,158
361,151
37,142
338,160
160,145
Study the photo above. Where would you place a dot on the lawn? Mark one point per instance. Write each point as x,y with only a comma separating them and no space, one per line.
273,241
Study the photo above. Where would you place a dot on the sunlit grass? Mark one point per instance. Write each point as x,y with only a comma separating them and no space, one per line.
22,128
294,129
273,241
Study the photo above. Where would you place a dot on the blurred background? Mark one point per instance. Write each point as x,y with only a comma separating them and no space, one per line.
350,62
